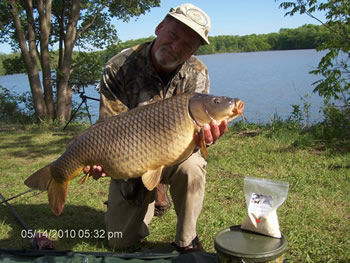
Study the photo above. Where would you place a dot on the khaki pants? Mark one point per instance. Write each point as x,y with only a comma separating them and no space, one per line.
127,223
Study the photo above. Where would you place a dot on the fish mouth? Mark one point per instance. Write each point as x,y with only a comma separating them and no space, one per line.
237,109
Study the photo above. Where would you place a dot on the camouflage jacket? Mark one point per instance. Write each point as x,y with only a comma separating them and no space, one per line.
129,80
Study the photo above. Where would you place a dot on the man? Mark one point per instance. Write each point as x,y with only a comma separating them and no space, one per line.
143,74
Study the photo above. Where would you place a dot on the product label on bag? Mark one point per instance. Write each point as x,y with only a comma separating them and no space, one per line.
260,204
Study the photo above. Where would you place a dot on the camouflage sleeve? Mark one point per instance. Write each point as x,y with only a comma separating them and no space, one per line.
113,98
110,107
203,82
199,76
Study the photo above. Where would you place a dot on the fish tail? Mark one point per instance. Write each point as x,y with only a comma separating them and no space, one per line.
57,192
44,179
57,196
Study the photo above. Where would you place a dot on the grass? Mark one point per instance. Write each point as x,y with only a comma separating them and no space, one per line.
314,218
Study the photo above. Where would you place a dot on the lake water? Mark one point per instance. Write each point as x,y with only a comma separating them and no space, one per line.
268,82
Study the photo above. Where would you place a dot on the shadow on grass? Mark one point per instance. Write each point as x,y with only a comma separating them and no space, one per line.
25,147
76,225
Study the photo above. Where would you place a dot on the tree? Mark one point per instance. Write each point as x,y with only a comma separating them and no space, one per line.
36,27
334,66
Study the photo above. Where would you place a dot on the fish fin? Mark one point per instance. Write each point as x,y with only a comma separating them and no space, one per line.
83,179
202,143
152,178
40,180
57,196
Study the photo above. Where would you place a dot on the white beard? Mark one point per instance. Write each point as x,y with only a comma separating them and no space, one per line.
167,61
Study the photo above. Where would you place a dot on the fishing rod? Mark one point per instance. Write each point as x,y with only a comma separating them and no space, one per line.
39,241
13,197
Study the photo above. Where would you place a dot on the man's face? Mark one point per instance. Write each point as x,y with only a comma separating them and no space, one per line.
175,44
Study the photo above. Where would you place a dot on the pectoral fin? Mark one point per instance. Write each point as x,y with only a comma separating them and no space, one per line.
202,143
152,178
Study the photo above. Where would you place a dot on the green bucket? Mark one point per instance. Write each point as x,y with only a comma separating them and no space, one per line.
234,244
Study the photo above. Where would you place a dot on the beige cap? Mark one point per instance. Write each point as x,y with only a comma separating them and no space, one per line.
193,17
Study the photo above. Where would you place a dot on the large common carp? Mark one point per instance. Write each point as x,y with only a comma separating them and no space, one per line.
140,142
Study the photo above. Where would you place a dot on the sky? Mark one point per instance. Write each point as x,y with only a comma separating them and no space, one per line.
228,17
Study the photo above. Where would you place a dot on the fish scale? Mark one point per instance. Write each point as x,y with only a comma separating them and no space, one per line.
140,142
157,129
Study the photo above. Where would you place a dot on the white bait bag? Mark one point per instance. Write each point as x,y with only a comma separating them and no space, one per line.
263,197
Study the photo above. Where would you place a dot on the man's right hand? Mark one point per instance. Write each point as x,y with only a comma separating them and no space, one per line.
96,171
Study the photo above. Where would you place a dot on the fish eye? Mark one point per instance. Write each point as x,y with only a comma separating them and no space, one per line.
216,100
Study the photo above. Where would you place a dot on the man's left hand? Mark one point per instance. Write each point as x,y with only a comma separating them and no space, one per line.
96,171
213,131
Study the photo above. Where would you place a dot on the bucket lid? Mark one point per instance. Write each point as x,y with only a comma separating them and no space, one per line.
235,242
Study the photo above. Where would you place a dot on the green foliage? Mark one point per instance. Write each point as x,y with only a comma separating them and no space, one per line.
2,57
15,108
332,132
68,25
301,114
336,126
90,67
304,37
307,36
11,110
115,49
11,64
284,131
335,84
95,29
334,67
14,65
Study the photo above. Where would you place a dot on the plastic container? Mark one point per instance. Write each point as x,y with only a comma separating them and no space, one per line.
234,244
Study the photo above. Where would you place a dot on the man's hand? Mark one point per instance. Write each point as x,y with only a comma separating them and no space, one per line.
96,171
212,132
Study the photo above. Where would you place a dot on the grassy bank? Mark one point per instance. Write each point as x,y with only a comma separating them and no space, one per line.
314,218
